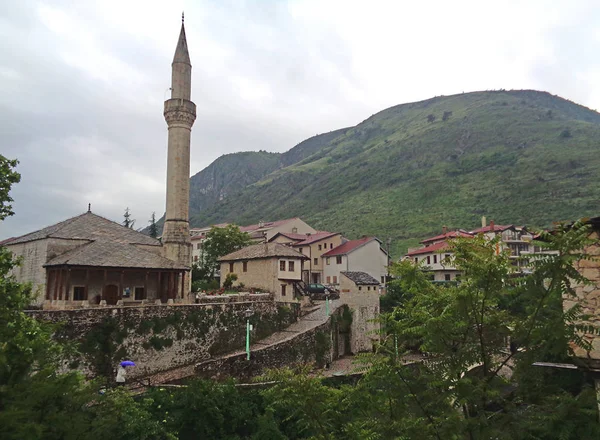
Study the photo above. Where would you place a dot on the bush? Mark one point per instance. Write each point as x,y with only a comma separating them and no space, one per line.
229,279
566,133
204,285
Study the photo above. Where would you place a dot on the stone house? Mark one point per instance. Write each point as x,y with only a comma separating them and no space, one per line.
361,292
313,246
363,255
88,259
273,267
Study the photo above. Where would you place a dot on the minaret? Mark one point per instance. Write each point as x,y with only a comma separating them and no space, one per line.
180,114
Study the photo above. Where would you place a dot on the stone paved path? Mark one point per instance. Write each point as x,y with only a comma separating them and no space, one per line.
305,323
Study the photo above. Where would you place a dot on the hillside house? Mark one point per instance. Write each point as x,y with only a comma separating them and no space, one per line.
260,232
90,260
270,266
313,246
363,255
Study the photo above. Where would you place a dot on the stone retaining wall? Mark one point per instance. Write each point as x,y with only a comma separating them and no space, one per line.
319,345
160,337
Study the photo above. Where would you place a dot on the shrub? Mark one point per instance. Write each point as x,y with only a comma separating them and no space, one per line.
229,279
566,133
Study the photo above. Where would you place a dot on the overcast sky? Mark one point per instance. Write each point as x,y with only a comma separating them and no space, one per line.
82,82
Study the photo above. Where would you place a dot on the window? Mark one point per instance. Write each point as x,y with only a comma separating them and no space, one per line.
328,280
368,287
300,250
359,287
282,266
283,286
327,261
382,280
447,277
291,266
79,293
416,259
199,245
294,230
428,259
230,267
324,245
320,247
245,266
140,293
330,245
316,261
338,259
434,259
334,279
195,257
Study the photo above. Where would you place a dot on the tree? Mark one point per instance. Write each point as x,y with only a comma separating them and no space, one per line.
465,329
153,227
446,115
128,222
8,177
220,242
430,118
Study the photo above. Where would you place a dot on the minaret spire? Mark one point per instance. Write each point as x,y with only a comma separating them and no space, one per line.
180,114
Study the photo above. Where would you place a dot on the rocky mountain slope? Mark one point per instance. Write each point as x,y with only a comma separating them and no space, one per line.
523,157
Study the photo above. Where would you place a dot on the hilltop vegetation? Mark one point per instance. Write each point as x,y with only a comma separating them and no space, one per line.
523,157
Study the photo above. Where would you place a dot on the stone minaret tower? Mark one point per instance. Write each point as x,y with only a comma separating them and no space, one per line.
180,114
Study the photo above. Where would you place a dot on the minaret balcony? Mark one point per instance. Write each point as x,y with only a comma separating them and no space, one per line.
180,111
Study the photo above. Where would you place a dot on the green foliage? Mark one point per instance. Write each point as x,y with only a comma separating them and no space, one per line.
229,280
209,410
128,222
220,242
8,177
396,175
153,230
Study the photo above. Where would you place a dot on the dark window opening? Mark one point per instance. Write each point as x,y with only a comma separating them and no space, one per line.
140,293
79,293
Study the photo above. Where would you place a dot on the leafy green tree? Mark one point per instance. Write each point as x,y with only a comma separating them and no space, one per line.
466,329
128,222
8,177
220,242
153,227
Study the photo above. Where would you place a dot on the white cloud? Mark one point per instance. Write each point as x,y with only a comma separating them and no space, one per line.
83,81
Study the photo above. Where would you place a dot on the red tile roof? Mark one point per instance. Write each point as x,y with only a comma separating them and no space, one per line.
349,246
315,237
488,228
428,249
451,234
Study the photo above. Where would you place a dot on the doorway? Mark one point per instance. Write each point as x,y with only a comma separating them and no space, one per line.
316,278
111,294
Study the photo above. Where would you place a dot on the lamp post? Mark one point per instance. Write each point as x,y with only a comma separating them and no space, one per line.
248,313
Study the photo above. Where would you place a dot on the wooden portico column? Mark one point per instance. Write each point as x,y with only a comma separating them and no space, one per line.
87,283
55,284
182,285
104,285
145,286
60,285
159,288
48,271
68,284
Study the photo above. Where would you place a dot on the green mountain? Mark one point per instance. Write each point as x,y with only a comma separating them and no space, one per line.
523,157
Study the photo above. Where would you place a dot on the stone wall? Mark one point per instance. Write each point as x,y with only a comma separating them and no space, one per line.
161,338
365,310
588,296
318,346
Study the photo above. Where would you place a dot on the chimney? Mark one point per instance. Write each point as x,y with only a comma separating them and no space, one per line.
492,225
483,222
261,224
444,229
